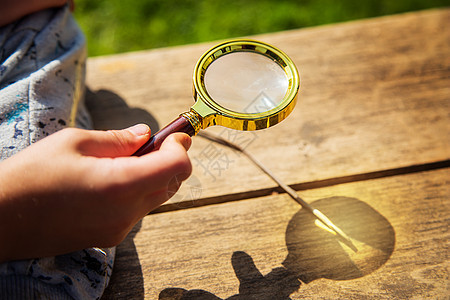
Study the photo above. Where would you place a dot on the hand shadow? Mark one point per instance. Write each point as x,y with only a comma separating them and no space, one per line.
127,281
278,284
109,111
313,253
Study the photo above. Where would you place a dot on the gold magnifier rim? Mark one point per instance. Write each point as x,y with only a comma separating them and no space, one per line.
214,114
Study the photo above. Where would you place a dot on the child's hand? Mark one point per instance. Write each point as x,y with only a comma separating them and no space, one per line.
78,188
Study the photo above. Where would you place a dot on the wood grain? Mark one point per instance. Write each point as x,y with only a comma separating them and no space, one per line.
399,225
374,103
374,96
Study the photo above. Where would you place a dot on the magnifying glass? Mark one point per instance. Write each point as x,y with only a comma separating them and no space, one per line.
239,84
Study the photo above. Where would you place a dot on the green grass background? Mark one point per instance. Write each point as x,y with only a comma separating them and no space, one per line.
114,26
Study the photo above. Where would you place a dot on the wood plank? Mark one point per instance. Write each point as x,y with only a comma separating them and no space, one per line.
375,96
399,225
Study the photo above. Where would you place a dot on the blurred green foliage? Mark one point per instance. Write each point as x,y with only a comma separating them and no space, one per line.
114,26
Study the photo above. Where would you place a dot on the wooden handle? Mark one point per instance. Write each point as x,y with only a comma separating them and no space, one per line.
181,124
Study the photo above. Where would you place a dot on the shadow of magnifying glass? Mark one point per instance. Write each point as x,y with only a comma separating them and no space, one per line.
313,253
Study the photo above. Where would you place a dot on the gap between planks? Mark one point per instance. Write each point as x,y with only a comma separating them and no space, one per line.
302,186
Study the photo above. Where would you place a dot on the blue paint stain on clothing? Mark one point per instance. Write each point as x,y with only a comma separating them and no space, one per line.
18,108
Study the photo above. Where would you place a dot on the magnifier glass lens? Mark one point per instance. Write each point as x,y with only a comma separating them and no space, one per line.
246,82
239,84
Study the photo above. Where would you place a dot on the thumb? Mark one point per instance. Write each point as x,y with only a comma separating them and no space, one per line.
116,143
244,268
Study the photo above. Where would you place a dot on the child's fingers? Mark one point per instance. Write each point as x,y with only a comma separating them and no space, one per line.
181,138
172,155
147,173
114,143
154,171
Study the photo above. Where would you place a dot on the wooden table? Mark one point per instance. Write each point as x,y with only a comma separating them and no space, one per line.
368,144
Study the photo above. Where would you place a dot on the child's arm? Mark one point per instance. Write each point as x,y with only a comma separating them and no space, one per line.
80,188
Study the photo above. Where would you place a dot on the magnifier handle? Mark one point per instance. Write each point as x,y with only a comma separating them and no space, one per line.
181,124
